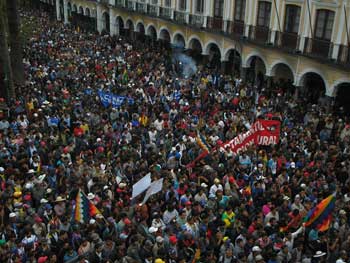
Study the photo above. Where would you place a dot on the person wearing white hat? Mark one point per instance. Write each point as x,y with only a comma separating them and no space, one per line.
12,215
320,255
159,245
256,250
43,201
60,206
90,196
152,230
216,186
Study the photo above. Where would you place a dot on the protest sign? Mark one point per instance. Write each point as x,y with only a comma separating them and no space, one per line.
154,188
141,185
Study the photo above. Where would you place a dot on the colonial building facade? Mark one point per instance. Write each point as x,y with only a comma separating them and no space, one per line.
304,41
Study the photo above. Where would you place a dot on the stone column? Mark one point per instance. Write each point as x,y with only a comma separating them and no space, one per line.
65,11
112,25
58,11
205,59
223,67
99,18
243,74
269,82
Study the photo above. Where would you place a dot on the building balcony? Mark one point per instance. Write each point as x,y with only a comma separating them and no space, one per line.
120,3
181,17
235,29
344,55
287,41
104,2
259,34
166,12
152,10
196,20
215,23
141,7
318,48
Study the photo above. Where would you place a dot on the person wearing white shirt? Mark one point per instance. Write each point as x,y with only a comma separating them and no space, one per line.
158,124
216,186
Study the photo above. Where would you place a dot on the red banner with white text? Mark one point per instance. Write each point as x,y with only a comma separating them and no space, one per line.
262,132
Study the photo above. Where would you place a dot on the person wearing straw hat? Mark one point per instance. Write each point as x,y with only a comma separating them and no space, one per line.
60,206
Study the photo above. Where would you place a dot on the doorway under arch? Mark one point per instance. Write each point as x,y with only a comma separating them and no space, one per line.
214,59
313,87
342,99
233,63
105,22
256,71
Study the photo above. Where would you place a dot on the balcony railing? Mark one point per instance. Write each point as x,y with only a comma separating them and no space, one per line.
141,7
165,12
259,34
130,5
287,41
235,28
120,3
215,23
180,17
344,55
152,10
196,20
105,2
318,48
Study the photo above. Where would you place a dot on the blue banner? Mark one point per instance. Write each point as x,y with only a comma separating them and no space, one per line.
108,98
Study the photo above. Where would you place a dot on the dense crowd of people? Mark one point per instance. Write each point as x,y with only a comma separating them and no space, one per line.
58,138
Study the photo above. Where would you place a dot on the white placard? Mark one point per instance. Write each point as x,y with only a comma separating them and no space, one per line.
141,185
154,188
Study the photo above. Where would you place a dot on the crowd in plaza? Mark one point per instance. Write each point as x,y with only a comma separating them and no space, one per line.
58,137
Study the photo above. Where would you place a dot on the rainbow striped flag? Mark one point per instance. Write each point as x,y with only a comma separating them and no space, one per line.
320,216
84,209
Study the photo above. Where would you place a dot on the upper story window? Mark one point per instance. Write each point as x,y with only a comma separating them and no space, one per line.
182,4
239,10
264,14
292,20
154,2
218,8
167,3
324,24
199,6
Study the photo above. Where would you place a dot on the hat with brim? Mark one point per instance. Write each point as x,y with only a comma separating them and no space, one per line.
60,199
43,201
319,254
12,215
90,196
